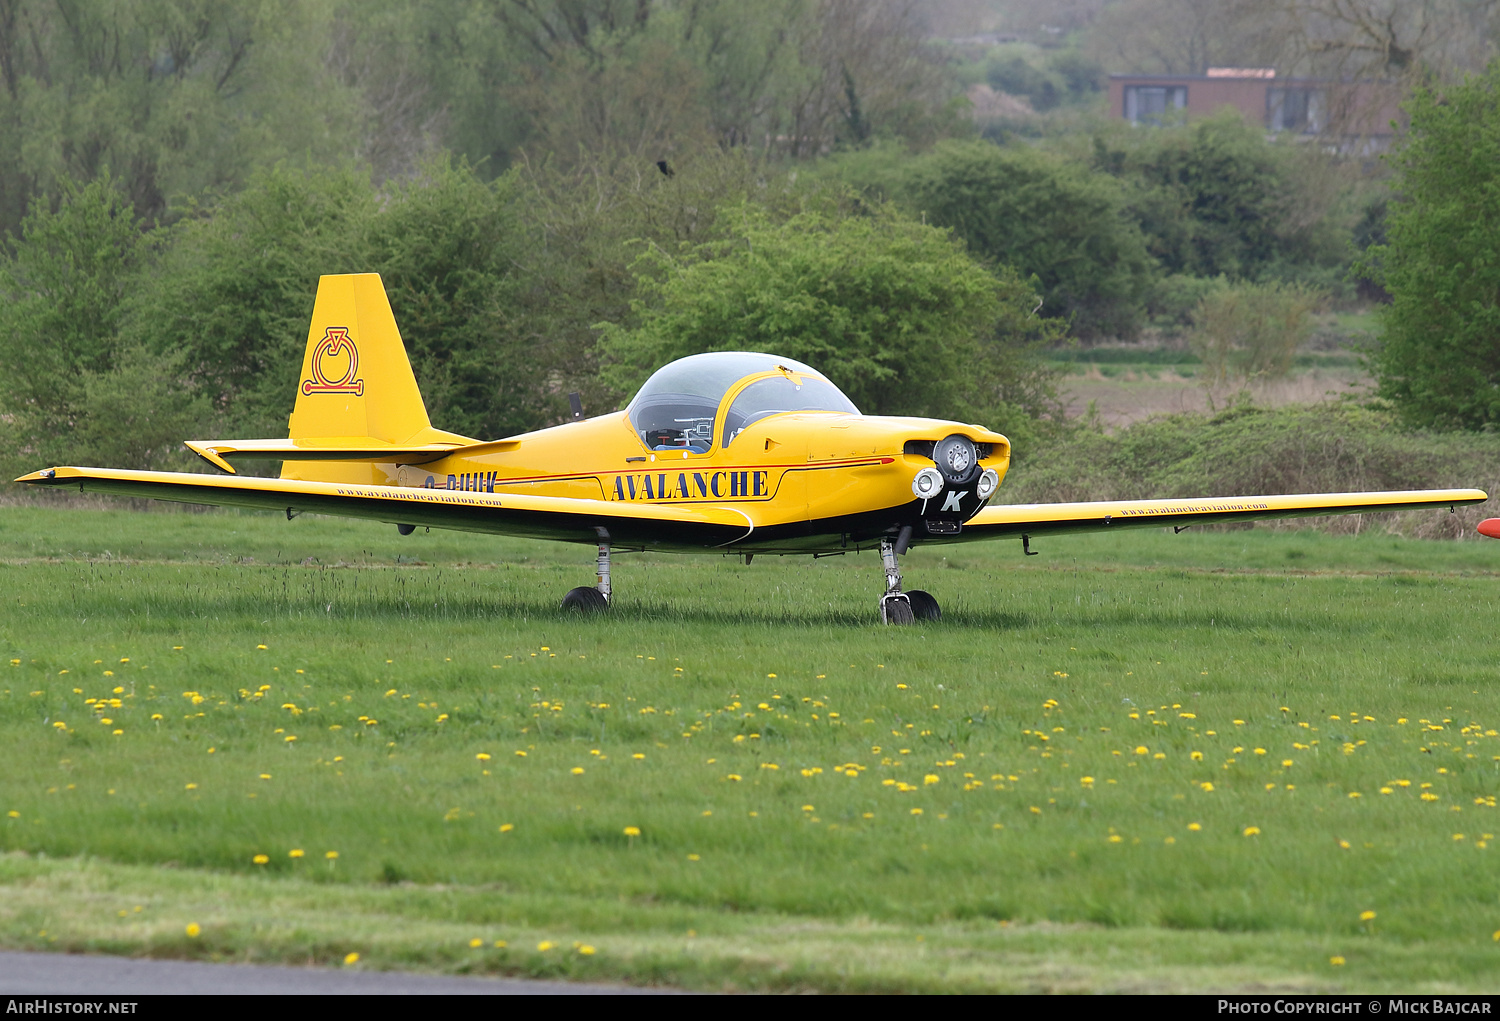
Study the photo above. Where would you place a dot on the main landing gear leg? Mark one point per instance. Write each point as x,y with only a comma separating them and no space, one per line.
897,607
592,600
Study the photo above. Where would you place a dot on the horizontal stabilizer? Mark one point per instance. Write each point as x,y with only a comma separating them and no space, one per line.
220,453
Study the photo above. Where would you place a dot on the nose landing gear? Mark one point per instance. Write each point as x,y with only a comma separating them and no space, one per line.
897,607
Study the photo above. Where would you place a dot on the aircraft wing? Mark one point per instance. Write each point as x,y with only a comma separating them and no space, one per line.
1040,519
689,528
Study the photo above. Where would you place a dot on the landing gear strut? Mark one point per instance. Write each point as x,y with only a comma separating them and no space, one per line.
897,607
592,600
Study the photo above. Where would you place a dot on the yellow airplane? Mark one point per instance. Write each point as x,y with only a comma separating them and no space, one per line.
725,452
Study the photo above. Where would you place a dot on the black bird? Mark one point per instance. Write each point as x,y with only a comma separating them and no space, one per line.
665,168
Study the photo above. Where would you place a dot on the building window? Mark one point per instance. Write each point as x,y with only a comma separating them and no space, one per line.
1295,110
1148,104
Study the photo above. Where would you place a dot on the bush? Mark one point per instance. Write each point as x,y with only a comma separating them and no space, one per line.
1252,331
1217,198
1245,451
72,395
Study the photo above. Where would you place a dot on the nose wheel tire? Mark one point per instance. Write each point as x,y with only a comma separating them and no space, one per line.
895,608
923,606
585,599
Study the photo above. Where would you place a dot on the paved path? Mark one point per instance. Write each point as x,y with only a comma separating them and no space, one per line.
24,974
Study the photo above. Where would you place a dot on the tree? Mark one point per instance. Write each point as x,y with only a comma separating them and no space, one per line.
892,310
236,292
1182,36
174,97
1439,360
1407,40
1045,216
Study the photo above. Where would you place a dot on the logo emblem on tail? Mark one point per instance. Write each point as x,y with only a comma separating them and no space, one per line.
335,342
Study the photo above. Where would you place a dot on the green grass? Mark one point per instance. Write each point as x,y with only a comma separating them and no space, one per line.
1338,653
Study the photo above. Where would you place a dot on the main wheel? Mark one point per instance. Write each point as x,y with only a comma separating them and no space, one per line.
923,606
585,600
895,610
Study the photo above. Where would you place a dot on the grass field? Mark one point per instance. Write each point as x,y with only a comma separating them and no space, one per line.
1137,762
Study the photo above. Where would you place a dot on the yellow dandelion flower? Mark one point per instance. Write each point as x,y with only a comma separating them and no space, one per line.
331,855
1195,826
483,756
506,827
1115,838
1142,750
261,859
1252,831
351,958
1365,916
916,811
545,945
930,779
1337,962
13,814
296,852
694,857
194,930
476,943
632,831
576,770
586,950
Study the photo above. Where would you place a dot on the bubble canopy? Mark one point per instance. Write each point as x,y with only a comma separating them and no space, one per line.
676,408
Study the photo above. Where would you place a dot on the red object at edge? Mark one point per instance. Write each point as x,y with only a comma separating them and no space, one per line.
1490,527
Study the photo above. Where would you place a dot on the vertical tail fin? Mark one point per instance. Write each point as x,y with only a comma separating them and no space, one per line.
356,389
356,380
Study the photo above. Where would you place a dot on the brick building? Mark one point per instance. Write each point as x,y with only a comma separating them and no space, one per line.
1358,113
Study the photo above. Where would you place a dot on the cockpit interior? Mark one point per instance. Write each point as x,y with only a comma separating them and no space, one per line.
679,405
